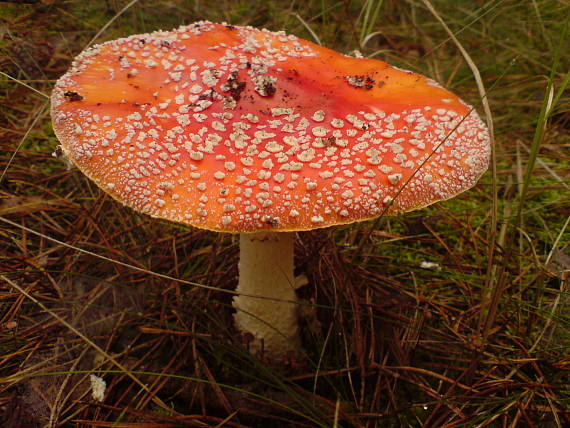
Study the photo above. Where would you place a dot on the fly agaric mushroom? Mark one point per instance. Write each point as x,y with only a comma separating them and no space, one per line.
248,131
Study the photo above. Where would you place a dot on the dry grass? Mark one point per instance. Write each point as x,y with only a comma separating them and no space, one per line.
89,287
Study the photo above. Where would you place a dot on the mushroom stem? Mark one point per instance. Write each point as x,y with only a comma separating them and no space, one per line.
266,271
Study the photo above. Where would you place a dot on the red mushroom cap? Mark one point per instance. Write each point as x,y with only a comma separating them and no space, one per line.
236,129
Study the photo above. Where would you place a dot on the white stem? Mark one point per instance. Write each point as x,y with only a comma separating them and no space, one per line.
266,270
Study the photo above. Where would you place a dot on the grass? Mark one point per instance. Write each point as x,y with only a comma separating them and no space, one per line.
481,338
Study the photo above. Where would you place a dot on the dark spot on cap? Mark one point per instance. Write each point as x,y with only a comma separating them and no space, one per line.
208,95
234,86
361,82
271,221
72,96
329,141
269,89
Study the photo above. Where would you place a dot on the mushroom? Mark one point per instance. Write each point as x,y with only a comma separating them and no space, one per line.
240,130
